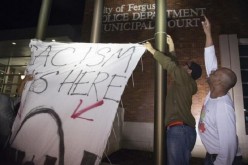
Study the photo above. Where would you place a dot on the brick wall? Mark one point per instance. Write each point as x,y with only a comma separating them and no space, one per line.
138,97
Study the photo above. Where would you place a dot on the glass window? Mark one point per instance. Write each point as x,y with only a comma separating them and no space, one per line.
14,57
12,70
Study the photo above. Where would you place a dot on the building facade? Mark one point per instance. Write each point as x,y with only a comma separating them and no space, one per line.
130,21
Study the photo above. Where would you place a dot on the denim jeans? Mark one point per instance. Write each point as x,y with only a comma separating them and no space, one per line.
180,141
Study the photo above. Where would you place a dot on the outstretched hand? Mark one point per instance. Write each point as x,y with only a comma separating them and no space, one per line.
206,26
149,47
207,30
171,44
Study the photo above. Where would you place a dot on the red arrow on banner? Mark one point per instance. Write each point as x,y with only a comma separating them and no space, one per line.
77,114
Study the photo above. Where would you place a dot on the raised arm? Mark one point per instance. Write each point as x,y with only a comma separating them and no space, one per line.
207,30
150,48
209,51
170,43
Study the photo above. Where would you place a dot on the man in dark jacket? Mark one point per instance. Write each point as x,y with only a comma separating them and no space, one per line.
8,111
179,121
7,116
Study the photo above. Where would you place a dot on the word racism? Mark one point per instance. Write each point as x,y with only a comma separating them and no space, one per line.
86,74
132,17
67,110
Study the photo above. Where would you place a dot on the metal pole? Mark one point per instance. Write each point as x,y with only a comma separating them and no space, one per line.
97,21
160,84
43,19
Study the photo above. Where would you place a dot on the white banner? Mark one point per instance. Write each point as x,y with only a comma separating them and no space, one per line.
67,111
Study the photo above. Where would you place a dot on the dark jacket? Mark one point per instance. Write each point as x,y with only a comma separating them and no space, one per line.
179,95
8,112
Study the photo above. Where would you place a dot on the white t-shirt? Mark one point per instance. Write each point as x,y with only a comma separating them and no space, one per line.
217,125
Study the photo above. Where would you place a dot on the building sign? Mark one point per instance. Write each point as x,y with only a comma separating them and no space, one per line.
67,111
131,17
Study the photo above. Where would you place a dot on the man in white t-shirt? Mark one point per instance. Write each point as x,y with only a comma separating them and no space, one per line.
217,125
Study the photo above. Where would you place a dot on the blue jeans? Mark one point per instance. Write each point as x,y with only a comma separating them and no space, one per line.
180,142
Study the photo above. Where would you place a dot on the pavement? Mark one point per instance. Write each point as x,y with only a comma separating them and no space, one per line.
131,157
136,157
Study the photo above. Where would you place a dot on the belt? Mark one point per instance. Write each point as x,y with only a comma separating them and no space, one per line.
175,123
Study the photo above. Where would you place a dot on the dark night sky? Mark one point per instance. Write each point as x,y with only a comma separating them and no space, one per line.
15,14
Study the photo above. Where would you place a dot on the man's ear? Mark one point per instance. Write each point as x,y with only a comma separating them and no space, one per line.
189,71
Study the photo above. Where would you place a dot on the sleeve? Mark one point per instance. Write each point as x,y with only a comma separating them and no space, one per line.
226,126
210,59
170,64
166,62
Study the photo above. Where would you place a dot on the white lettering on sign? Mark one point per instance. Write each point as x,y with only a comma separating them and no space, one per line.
131,17
185,13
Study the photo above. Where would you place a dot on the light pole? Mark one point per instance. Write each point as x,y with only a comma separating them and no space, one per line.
160,83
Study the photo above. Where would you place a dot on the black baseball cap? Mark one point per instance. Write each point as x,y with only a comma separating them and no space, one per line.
196,70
